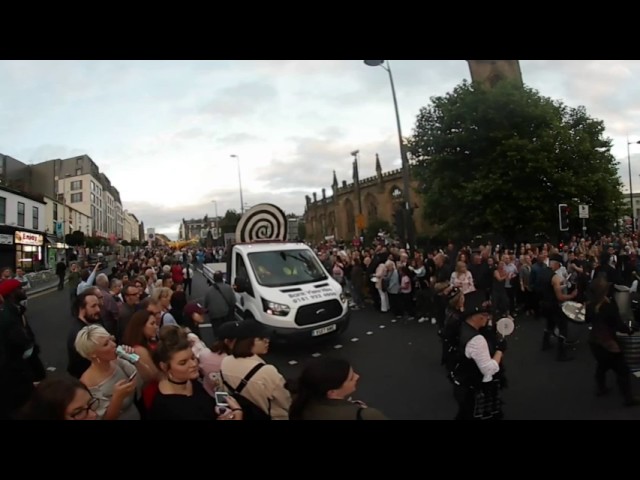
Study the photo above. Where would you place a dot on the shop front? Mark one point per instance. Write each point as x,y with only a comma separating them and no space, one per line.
56,251
21,248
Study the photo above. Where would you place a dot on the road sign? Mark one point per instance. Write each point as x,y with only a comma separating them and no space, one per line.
583,211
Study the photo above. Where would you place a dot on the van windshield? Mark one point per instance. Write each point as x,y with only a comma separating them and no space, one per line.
286,267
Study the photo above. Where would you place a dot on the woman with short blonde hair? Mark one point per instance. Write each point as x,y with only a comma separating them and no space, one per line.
111,380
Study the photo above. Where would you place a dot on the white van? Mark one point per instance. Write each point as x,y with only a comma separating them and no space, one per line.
285,287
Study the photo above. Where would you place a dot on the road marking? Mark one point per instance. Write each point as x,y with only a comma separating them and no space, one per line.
354,339
393,320
51,369
207,325
316,355
369,333
383,326
337,347
293,362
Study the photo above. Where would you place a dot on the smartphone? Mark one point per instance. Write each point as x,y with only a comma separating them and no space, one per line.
133,375
221,399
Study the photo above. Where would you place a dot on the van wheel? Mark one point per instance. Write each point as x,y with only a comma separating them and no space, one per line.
248,316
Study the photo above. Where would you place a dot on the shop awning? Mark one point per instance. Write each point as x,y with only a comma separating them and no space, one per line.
52,239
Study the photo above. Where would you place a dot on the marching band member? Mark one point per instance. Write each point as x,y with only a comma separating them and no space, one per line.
476,381
551,299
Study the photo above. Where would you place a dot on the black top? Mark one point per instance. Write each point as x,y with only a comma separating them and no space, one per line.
199,406
77,364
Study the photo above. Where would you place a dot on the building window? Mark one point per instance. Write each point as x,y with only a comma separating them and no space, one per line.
20,214
93,186
78,171
93,198
28,257
76,185
76,197
3,210
36,214
55,211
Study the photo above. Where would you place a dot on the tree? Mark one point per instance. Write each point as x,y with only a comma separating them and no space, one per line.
135,243
125,243
229,222
374,227
74,239
502,159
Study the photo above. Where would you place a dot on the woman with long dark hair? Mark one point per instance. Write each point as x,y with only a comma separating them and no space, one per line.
323,391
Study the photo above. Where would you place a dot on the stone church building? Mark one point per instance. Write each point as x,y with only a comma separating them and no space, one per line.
351,207
376,197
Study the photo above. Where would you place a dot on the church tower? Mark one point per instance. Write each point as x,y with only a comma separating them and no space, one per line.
489,72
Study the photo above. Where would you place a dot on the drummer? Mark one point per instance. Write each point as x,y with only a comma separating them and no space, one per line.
551,299
605,318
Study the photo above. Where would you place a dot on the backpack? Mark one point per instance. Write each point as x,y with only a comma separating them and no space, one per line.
250,411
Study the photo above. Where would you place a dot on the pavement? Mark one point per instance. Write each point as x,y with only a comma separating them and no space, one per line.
399,365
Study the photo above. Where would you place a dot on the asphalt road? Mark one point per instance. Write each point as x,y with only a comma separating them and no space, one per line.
399,366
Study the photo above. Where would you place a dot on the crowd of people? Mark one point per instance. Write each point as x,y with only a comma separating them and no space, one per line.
135,353
135,350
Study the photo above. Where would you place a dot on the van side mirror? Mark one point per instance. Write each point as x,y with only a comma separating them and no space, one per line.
241,284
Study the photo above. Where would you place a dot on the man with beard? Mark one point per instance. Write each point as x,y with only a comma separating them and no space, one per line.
551,298
88,312
20,364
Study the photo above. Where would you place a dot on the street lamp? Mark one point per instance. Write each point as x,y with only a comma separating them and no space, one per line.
240,182
216,204
408,231
633,222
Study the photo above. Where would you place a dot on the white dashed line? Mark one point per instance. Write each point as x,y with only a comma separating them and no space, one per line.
383,326
293,362
369,333
354,339
316,355
393,320
337,347
51,369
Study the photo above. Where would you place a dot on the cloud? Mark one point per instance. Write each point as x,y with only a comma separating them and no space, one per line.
190,133
241,100
42,153
236,139
310,166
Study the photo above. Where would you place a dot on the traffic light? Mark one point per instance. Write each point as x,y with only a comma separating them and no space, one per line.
563,216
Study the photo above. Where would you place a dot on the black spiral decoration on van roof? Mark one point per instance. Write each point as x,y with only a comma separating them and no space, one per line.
262,222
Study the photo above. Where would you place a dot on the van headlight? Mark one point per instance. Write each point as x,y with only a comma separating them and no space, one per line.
277,309
343,298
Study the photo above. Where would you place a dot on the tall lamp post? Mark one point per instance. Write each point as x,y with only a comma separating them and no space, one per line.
217,231
240,182
408,230
633,222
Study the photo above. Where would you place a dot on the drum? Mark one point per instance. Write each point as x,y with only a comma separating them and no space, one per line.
505,326
622,295
574,311
630,345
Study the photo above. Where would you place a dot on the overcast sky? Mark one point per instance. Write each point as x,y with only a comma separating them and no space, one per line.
163,131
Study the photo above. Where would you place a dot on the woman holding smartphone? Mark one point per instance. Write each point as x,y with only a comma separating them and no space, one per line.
180,395
110,379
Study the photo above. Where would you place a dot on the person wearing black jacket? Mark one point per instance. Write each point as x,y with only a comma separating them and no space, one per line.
604,317
20,364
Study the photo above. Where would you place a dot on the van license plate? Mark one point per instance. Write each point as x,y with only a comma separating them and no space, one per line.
323,331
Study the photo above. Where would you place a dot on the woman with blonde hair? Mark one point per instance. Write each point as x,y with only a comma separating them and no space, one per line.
110,379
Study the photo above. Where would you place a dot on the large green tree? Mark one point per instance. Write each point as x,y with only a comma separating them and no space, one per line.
500,160
229,222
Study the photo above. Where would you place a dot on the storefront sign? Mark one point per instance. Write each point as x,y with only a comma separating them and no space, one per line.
6,239
26,238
